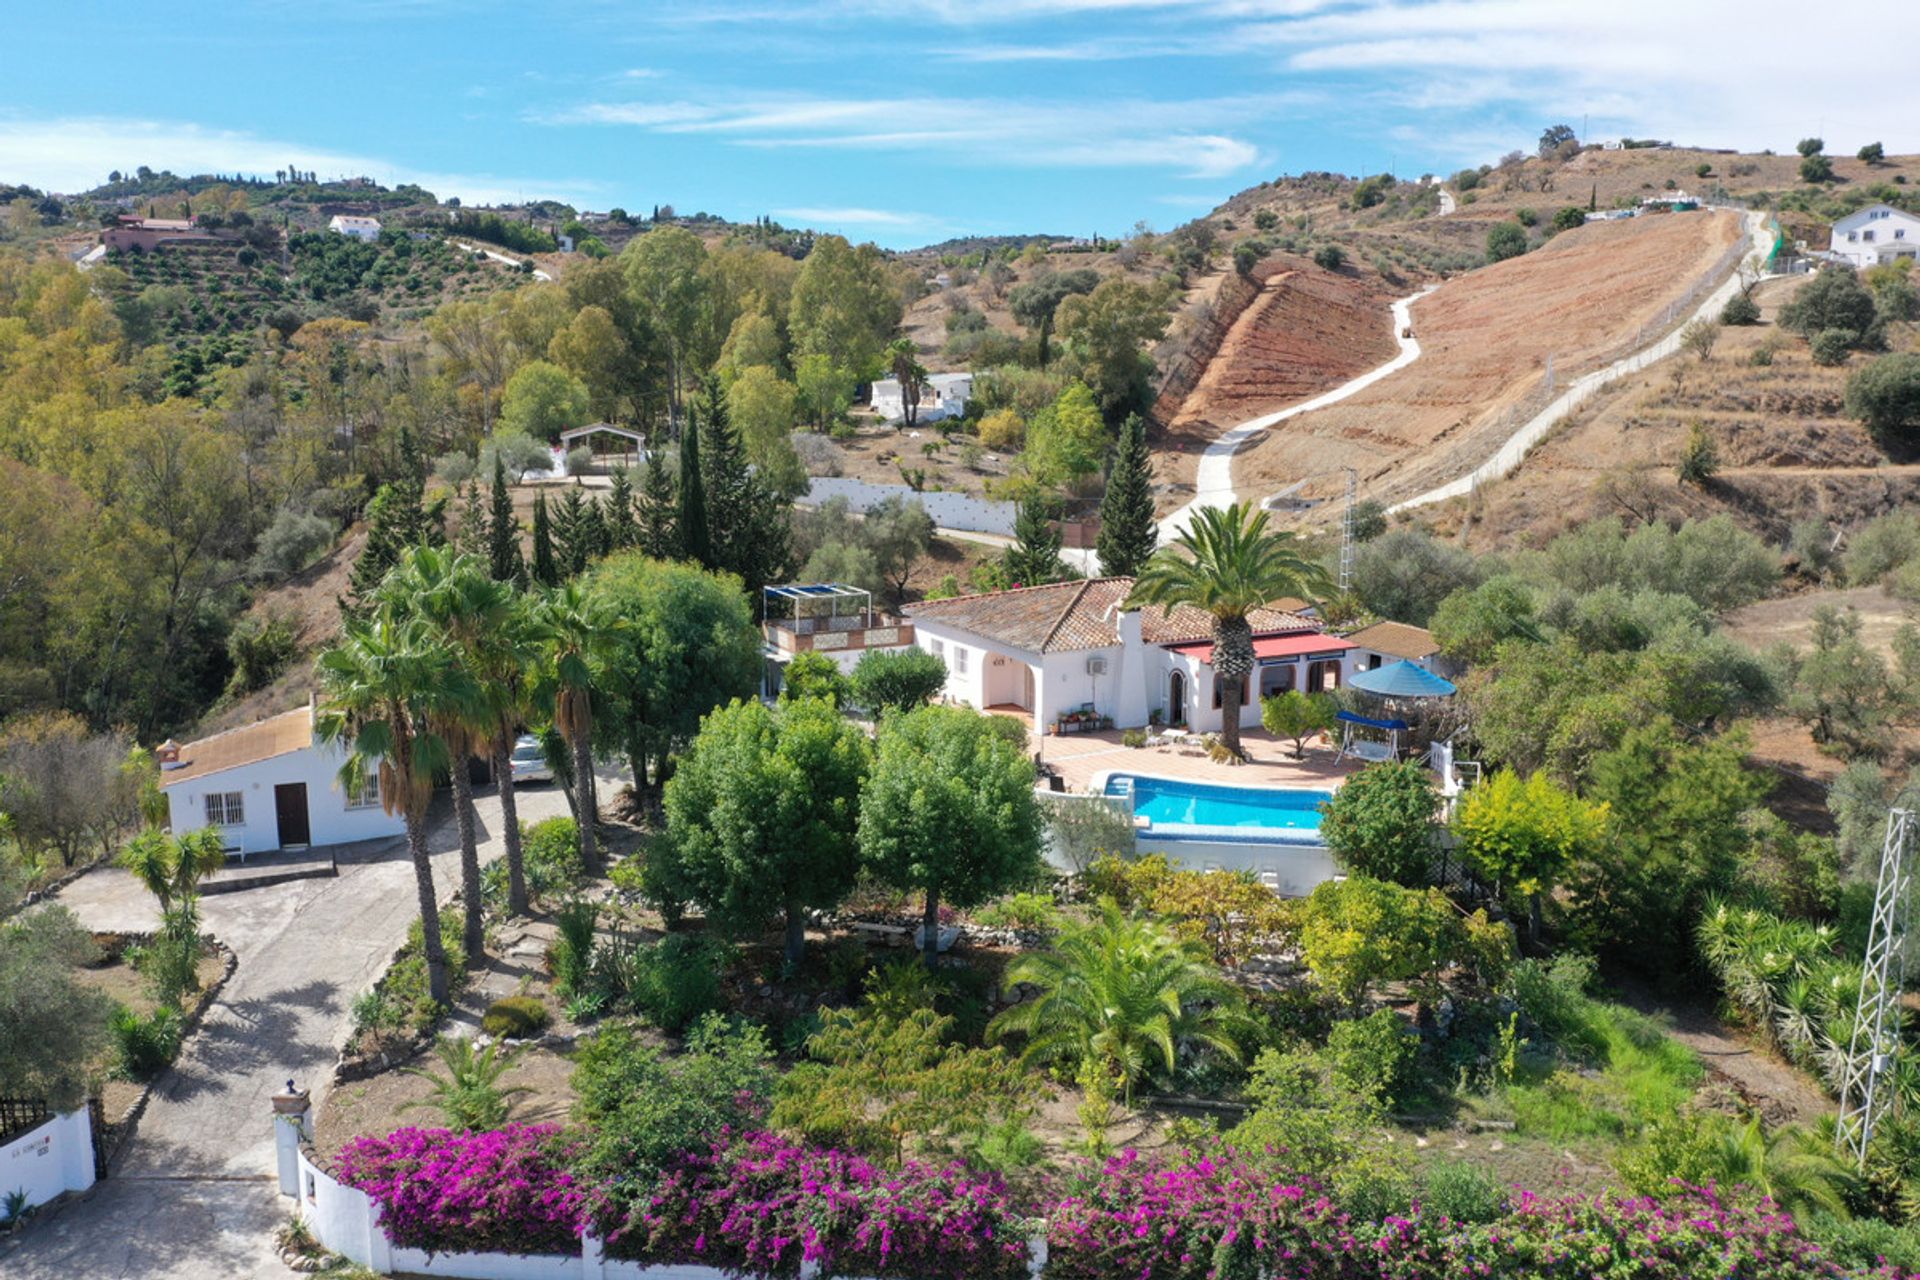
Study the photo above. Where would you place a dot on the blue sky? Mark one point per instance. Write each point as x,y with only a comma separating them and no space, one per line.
911,120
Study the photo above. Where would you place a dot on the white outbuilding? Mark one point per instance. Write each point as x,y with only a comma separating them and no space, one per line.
359,228
271,785
1873,235
942,395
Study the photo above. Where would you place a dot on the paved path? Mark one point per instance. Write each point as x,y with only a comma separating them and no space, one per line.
515,263
192,1196
1213,480
1531,432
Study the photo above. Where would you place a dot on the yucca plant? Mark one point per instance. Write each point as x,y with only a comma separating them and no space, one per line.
469,1095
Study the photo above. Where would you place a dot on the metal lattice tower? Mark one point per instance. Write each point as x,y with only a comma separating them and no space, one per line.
1865,1090
1346,532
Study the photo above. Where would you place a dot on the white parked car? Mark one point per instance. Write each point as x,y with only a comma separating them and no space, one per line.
528,762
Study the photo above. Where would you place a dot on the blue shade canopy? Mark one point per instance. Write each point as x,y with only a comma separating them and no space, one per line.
1402,680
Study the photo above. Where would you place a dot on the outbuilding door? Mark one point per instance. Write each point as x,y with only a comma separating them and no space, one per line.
290,808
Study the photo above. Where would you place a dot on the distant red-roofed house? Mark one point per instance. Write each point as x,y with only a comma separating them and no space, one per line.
1055,649
132,231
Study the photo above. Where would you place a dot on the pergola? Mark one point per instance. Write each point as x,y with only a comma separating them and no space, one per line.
639,439
807,603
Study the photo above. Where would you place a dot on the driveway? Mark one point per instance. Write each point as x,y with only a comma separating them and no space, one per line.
193,1195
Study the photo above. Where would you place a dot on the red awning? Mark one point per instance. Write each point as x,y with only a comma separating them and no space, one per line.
1297,645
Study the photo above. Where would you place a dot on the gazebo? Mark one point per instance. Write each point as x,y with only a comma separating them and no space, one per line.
1404,688
1398,681
639,440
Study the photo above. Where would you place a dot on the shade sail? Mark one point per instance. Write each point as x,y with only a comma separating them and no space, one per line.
1402,680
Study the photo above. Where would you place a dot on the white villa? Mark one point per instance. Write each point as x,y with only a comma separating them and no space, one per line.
1052,650
1873,235
359,228
942,395
271,785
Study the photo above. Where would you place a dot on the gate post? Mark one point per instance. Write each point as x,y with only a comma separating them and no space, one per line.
290,1110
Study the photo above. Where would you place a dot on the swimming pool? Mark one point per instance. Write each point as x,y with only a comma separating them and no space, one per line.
1176,808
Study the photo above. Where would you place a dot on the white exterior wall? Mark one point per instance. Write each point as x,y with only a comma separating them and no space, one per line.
1292,871
1893,233
327,813
359,228
53,1158
945,395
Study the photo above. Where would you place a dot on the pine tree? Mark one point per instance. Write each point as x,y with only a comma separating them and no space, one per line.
623,530
504,560
1034,558
691,523
570,553
545,572
589,538
397,518
747,529
470,538
1128,532
659,512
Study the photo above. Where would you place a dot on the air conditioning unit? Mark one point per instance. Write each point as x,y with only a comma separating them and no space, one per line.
1096,666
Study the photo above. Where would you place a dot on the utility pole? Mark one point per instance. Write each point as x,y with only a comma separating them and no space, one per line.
1346,532
1866,1090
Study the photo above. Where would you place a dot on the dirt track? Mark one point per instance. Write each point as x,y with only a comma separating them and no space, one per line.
1487,338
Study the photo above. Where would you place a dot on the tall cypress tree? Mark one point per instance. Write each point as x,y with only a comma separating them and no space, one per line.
747,529
623,530
1034,558
397,518
545,571
659,512
589,537
1128,533
570,552
504,560
692,521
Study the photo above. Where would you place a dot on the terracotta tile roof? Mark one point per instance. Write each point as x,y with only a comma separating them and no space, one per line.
1068,616
262,740
1395,639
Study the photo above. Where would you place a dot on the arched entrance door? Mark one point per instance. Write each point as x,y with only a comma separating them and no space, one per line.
1177,700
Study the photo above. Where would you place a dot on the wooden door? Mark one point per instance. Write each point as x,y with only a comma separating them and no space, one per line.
290,808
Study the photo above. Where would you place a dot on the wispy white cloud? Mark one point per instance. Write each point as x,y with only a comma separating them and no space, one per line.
1200,138
73,154
856,217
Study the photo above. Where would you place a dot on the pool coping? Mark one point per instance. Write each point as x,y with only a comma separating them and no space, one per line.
1216,835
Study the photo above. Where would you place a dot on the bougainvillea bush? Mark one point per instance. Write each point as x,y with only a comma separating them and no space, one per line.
761,1204
505,1190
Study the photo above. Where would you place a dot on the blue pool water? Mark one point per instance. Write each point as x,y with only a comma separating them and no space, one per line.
1167,803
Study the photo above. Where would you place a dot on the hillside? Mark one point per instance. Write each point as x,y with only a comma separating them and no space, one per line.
1487,338
1786,448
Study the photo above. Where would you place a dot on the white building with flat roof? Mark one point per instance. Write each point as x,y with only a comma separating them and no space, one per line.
942,395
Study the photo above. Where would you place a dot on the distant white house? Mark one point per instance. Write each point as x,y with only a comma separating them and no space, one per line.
270,785
942,395
1873,235
359,228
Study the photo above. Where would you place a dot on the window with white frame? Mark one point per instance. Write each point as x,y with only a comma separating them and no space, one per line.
226,809
937,648
366,796
959,660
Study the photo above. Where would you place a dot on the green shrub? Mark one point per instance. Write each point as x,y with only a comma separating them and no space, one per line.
1374,1053
1034,911
1135,738
516,1017
1740,309
1330,257
572,951
1461,1192
1863,1244
1881,546
676,981
144,1046
550,851
1830,346
1505,240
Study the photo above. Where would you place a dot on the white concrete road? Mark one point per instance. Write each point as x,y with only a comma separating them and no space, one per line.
515,263
192,1196
1532,431
1213,480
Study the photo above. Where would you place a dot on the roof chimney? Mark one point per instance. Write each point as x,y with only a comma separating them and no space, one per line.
168,754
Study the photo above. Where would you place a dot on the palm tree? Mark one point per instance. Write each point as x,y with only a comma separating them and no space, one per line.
171,867
1796,1168
903,359
469,1096
575,629
458,600
1232,565
503,659
383,685
1124,992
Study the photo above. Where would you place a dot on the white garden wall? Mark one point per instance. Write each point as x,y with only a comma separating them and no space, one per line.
51,1159
347,1221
